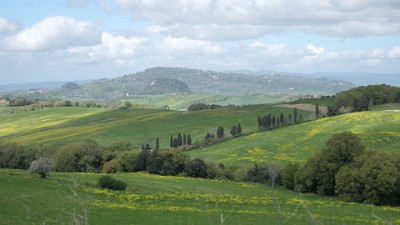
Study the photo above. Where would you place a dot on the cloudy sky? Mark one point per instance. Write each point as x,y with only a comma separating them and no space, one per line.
87,39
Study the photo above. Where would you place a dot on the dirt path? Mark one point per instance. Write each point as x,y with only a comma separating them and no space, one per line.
305,107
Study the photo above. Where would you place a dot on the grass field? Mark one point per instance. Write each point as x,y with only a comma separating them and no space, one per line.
379,130
138,125
68,197
182,102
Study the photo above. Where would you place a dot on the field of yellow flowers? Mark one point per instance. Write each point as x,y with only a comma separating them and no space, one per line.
72,198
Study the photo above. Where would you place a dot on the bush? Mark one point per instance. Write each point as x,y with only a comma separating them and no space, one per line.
111,166
111,183
42,166
196,168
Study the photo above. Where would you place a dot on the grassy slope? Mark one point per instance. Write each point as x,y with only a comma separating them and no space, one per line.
170,200
138,126
378,130
182,102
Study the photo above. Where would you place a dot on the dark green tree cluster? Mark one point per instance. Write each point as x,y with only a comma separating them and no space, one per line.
202,106
344,169
271,121
264,173
236,130
362,98
185,140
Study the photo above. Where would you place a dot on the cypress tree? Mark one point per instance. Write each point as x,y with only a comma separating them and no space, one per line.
317,110
220,132
282,119
157,143
179,139
295,115
184,139
239,129
189,140
171,141
259,122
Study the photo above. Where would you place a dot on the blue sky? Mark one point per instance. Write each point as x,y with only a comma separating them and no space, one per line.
88,39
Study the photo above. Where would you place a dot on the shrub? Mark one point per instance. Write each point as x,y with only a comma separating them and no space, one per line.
111,166
111,183
42,166
196,168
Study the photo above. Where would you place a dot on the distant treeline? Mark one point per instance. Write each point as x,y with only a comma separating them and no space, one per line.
364,97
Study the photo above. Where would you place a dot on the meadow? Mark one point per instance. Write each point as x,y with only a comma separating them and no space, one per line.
72,198
182,102
379,130
107,126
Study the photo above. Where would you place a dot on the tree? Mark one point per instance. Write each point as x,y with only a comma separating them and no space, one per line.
317,111
180,139
259,122
318,174
184,139
128,162
43,166
157,143
373,178
289,174
196,168
189,140
171,141
220,132
273,122
295,115
282,119
239,129
128,104
234,131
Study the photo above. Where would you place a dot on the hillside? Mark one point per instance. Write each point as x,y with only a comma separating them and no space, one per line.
138,126
378,130
72,198
160,80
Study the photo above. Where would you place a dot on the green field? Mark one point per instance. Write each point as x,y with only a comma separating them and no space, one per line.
182,102
378,130
66,198
139,126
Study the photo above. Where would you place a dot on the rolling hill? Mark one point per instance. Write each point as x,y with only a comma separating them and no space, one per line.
379,130
161,80
139,126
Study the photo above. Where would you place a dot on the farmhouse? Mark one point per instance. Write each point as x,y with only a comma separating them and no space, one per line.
4,100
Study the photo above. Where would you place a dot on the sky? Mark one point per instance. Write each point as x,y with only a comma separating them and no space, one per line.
65,40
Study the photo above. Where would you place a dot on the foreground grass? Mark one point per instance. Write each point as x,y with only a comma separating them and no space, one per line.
66,198
378,130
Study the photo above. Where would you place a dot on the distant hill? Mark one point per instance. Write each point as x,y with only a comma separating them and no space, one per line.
39,85
161,80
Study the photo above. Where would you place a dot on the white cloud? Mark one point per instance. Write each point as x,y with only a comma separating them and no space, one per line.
185,46
116,48
394,52
8,26
55,33
241,19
